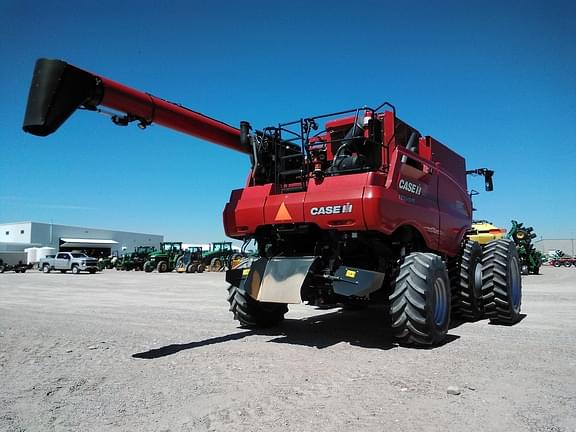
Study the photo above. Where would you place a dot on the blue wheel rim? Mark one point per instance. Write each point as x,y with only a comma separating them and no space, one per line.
515,285
441,302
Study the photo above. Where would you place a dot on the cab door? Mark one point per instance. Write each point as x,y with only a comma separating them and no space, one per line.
62,261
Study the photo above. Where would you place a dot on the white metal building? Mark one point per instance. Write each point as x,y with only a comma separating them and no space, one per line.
568,246
15,237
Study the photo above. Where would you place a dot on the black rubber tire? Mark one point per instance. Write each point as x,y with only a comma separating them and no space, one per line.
536,270
502,282
2,269
252,313
92,271
216,264
201,268
162,267
179,263
46,268
191,268
420,301
75,269
148,267
467,301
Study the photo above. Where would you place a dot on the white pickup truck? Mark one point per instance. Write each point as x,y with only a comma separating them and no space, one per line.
65,261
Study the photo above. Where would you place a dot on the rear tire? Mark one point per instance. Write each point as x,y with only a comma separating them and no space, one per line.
216,265
191,268
201,268
502,282
467,286
420,301
162,267
252,313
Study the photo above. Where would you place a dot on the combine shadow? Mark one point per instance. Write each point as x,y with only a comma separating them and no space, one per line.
522,316
367,328
455,323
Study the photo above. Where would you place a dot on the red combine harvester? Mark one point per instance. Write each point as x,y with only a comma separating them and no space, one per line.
361,210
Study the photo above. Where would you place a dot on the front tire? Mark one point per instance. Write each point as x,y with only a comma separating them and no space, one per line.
46,269
75,269
467,286
420,301
162,267
252,313
502,282
148,268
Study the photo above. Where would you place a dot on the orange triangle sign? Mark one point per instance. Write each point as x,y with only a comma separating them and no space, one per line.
283,214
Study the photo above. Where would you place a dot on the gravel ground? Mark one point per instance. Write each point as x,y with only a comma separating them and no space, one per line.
160,352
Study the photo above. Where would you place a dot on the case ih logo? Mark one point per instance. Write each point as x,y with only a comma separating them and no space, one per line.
328,210
410,187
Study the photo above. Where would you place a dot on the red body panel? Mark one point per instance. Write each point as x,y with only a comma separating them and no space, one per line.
405,196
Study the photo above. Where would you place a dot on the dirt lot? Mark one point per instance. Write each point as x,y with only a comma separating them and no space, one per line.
160,352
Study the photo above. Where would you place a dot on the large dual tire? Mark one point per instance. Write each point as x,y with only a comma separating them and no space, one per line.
420,301
502,282
467,300
252,313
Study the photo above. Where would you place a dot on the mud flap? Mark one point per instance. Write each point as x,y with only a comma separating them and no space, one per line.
274,280
354,282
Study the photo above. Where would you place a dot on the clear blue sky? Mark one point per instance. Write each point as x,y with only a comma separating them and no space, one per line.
496,81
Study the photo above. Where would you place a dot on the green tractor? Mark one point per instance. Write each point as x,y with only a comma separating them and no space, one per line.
135,260
530,258
191,261
164,260
109,262
220,256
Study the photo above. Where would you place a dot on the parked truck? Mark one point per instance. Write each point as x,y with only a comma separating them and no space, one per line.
75,262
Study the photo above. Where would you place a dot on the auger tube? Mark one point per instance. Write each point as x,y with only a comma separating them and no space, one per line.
58,89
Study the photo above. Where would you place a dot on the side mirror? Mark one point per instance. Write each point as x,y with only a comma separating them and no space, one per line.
488,180
487,177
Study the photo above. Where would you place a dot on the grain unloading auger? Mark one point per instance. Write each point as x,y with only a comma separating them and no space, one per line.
361,210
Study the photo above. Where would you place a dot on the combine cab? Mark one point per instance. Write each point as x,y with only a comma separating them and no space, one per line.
353,206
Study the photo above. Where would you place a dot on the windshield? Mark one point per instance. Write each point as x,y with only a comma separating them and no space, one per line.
79,255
